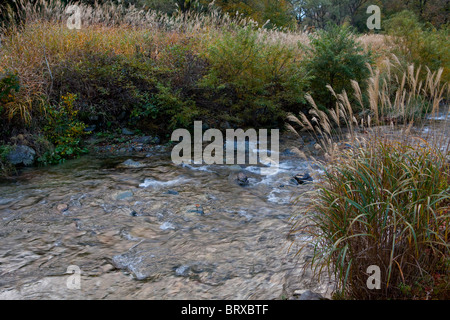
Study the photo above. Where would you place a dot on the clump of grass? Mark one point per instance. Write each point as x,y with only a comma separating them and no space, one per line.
396,98
384,197
386,204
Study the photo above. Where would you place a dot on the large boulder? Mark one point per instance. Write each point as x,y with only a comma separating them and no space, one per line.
21,154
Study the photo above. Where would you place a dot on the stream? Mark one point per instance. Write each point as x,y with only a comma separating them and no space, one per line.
140,227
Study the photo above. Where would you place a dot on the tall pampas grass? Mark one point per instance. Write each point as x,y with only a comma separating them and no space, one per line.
384,197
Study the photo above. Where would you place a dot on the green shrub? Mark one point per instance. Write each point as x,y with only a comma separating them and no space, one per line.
335,58
419,44
107,84
9,87
386,204
9,84
164,111
64,131
5,166
253,80
153,95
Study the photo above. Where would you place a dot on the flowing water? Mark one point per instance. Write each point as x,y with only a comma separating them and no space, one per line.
144,228
152,230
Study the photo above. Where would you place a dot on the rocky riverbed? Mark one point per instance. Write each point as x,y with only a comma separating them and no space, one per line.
140,227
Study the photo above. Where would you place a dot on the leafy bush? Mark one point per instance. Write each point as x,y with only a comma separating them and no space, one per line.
335,58
64,131
5,166
254,80
9,87
385,204
106,84
420,44
9,84
165,110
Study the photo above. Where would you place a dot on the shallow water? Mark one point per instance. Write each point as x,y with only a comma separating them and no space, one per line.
156,231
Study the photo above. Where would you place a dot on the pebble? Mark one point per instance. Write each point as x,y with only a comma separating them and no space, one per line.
107,268
62,207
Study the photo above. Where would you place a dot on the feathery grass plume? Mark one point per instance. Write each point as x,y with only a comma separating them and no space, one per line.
384,197
384,205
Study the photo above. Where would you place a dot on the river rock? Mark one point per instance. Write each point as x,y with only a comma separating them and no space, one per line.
90,128
197,209
131,164
182,271
309,295
234,167
124,195
21,155
127,132
194,268
62,207
242,179
107,268
301,179
138,147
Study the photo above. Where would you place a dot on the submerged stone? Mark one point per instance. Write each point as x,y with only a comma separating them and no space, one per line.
242,179
124,195
131,164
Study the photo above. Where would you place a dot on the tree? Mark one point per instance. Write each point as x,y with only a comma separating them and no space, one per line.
437,12
279,12
335,58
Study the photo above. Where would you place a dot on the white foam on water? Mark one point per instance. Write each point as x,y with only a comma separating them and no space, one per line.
275,196
197,168
253,169
156,183
167,226
441,116
245,214
181,270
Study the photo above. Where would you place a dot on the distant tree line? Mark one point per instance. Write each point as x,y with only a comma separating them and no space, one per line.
316,13
299,13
